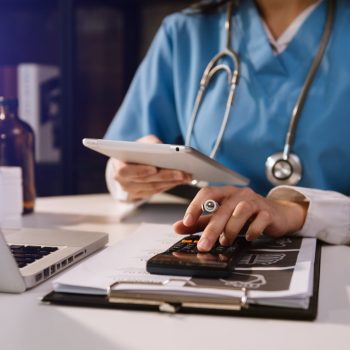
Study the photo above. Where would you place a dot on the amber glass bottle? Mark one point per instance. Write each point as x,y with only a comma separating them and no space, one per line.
17,148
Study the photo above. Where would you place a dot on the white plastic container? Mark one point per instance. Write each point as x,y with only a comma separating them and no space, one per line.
11,196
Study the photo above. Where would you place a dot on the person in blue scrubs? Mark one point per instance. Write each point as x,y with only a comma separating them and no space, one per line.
276,42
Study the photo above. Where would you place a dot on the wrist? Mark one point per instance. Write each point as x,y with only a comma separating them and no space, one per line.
296,213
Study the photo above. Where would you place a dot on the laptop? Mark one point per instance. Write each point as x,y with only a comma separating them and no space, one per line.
30,256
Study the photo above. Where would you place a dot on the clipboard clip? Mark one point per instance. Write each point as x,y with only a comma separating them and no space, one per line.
169,308
235,305
172,303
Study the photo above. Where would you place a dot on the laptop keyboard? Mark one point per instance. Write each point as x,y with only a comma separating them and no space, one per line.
27,254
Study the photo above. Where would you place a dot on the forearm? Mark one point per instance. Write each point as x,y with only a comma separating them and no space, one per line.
328,212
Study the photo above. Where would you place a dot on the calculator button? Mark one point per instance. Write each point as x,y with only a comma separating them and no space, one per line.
185,249
176,246
192,245
231,250
220,249
186,241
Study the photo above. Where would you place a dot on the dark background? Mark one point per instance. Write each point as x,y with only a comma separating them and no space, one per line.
97,45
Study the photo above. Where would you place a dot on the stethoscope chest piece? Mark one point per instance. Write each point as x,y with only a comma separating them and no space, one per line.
281,170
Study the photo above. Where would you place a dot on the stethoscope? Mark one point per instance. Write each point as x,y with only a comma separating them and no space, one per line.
282,167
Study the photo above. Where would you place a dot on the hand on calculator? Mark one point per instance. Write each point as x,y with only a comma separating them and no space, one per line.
183,258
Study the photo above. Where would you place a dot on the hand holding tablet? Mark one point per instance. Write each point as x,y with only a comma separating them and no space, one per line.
155,167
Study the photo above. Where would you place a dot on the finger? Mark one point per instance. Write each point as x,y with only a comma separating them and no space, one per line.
259,224
133,171
180,228
165,175
194,210
229,198
183,256
206,257
144,190
214,229
149,139
240,216
136,187
223,215
220,218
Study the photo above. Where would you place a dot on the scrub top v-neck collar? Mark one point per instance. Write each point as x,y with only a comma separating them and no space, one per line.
253,45
281,43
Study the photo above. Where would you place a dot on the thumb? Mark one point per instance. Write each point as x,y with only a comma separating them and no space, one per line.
149,139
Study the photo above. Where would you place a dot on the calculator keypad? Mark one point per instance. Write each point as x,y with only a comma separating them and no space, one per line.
184,259
189,245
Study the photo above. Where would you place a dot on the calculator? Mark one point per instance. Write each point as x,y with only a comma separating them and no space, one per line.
183,259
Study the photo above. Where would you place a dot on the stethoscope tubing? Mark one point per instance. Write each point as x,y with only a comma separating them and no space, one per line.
298,107
210,71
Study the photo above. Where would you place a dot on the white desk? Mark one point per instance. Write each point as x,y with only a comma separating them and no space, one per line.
27,324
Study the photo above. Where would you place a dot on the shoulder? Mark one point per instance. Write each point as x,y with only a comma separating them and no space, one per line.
185,23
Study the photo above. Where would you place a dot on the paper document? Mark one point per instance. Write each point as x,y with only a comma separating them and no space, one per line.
279,273
125,261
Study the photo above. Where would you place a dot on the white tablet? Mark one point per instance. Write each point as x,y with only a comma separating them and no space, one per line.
168,156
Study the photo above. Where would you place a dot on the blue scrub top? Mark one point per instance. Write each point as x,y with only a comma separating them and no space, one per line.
161,97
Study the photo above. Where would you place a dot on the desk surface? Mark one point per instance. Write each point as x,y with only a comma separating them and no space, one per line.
28,324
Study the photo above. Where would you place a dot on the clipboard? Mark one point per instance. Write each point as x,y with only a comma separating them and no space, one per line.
168,304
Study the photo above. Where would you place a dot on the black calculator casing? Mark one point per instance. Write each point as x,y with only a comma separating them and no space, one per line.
183,259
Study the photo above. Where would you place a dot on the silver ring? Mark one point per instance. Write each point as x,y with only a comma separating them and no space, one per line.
210,206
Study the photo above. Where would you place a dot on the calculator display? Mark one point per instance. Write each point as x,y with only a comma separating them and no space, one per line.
184,259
